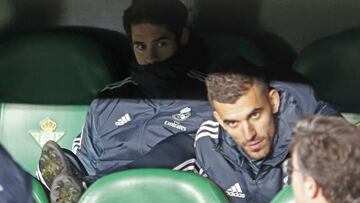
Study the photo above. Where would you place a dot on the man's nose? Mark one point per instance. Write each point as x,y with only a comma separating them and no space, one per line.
249,131
152,56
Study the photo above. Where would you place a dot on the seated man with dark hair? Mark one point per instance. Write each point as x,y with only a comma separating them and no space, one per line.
146,120
244,150
325,164
15,183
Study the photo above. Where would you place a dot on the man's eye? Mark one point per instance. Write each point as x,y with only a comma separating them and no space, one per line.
162,43
140,47
232,124
255,115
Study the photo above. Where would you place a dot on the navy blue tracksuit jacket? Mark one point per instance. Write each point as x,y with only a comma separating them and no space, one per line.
223,162
15,183
128,120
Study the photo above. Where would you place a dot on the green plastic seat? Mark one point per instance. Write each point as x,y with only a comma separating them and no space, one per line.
47,81
153,185
24,128
224,44
38,193
332,65
286,195
52,68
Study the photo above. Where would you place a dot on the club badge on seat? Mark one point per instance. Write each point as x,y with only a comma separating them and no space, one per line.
48,127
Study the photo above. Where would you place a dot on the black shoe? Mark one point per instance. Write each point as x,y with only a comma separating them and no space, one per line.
53,162
66,189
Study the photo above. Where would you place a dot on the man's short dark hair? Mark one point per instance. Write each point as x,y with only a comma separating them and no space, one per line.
230,77
328,149
172,14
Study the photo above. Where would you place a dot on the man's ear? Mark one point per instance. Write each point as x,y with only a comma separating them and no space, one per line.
311,188
184,37
217,117
274,98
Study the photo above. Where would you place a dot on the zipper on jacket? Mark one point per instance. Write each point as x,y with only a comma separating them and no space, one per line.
144,125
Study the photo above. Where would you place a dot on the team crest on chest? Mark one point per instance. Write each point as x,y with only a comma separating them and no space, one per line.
184,114
48,127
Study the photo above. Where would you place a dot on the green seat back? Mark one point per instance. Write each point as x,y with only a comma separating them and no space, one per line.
352,118
333,66
222,44
38,192
286,195
47,81
153,185
52,68
24,128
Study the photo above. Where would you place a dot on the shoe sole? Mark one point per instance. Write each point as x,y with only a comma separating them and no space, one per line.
66,189
52,162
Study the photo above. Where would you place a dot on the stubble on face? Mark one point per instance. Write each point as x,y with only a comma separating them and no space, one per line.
249,121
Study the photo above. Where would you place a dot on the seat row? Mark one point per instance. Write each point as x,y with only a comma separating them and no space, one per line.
48,79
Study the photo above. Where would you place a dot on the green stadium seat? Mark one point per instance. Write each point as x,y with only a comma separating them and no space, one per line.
220,44
38,193
153,185
224,44
47,81
286,195
332,65
51,68
24,128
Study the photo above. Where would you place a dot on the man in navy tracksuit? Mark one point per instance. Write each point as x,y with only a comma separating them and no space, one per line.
147,120
244,150
15,183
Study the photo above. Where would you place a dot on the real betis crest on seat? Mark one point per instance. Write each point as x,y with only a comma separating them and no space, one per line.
48,127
